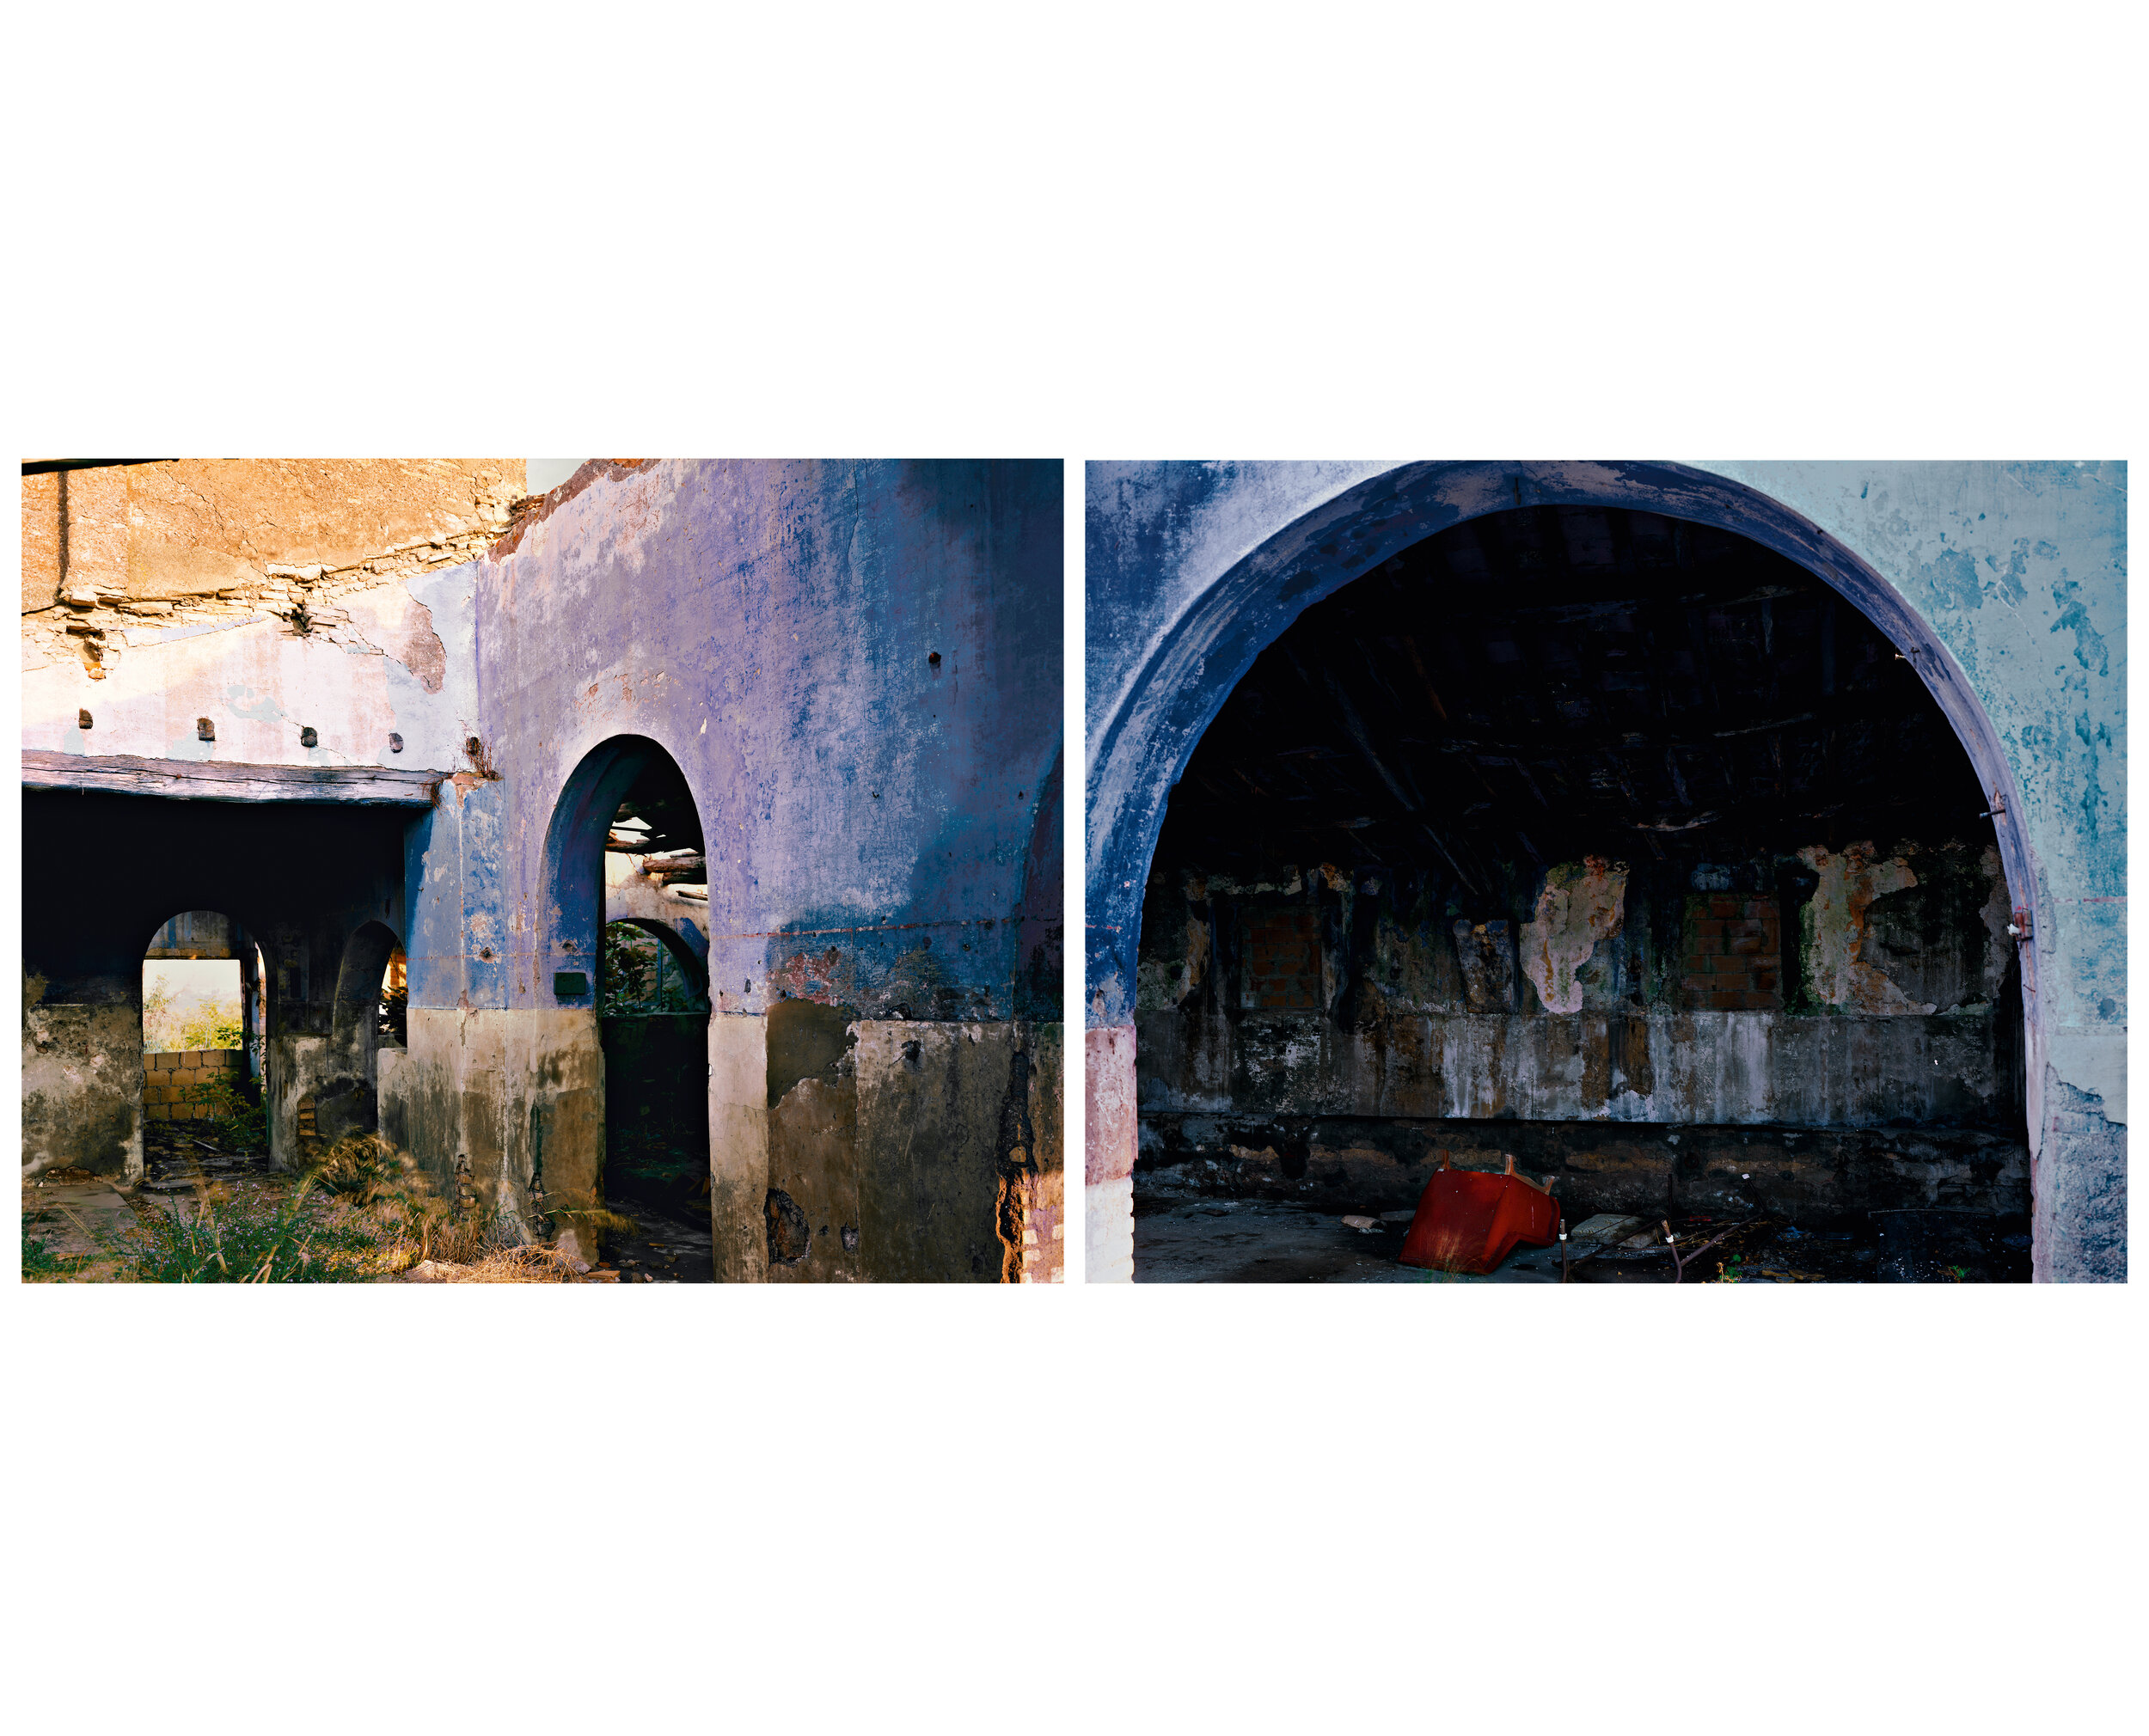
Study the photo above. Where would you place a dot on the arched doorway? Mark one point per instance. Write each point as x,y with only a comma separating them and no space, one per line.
202,1019
1541,532
346,1097
629,897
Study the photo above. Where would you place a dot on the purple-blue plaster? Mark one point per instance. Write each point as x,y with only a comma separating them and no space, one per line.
771,627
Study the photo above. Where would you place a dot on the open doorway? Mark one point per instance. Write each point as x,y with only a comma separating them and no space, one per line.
203,1010
1618,843
631,878
654,1012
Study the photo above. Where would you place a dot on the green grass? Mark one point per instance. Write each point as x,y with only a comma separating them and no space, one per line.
241,1125
247,1241
39,1263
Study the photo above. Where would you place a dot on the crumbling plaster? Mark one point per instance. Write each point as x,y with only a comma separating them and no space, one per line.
269,596
2004,582
772,627
856,669
1582,904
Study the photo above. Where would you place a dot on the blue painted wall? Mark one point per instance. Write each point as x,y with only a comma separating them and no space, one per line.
771,626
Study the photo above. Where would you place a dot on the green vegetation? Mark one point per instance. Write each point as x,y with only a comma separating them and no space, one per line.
227,1239
365,1212
214,1024
40,1263
234,1121
637,974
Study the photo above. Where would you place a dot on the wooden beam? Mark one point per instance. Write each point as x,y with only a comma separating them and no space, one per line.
212,780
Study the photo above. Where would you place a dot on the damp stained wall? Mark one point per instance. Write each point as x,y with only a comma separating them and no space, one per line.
1362,993
856,668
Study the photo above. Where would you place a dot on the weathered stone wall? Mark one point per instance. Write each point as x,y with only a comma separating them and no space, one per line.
1736,1068
512,1097
298,880
169,1078
81,1085
1347,1010
909,1151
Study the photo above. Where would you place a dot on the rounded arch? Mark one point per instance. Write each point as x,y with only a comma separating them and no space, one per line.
366,952
687,947
1150,732
245,948
230,912
170,1073
1146,733
573,905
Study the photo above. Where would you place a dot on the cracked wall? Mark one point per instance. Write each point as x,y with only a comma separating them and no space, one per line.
270,598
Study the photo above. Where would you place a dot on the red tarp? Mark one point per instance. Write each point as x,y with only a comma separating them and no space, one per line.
1469,1222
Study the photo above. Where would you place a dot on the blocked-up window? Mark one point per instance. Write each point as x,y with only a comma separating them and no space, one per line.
1735,952
1281,966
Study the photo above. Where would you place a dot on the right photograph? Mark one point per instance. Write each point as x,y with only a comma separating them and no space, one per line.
1636,872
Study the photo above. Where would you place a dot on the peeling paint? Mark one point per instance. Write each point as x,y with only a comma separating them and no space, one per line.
1836,973
1582,903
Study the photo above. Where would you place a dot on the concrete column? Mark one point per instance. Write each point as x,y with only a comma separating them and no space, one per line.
1110,1136
738,1145
299,1068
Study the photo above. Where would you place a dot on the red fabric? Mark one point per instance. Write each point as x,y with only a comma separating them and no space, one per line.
1468,1222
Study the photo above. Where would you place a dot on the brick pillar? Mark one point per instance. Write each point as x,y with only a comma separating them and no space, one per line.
1110,1136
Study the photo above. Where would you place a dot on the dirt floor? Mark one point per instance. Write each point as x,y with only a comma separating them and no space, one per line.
1208,1240
669,1243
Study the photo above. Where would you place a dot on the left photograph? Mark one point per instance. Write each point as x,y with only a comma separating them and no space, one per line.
541,871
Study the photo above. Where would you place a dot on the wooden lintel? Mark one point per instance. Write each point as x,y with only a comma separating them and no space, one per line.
212,780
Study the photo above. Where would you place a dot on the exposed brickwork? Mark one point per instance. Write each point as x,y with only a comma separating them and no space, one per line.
169,1079
1734,955
1039,1219
1283,961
